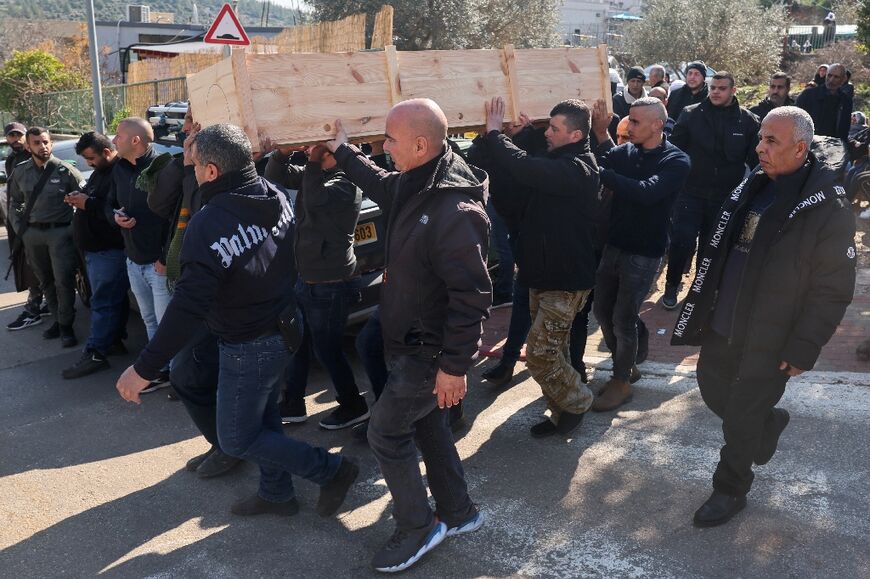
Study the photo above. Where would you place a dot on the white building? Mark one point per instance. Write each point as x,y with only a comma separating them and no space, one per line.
588,22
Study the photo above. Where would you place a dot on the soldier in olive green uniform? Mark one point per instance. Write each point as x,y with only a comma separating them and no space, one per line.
48,240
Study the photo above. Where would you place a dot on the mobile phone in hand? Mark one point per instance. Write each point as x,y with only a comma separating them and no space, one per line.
120,213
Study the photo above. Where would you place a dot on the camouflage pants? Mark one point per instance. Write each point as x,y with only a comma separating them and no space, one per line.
552,315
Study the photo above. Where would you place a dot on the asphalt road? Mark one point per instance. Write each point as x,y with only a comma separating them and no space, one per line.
92,485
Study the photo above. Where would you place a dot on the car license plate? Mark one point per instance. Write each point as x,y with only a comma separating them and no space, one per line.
364,234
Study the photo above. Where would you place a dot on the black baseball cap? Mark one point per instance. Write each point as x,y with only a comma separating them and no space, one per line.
14,128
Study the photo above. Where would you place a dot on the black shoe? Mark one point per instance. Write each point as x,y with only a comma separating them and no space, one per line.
172,394
68,337
669,300
24,320
500,374
406,547
43,310
90,362
117,349
768,444
455,414
345,416
53,332
162,381
216,464
197,460
569,422
635,375
718,509
543,429
254,505
292,411
332,493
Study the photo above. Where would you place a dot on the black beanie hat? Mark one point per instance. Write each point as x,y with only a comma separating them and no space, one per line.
636,72
699,66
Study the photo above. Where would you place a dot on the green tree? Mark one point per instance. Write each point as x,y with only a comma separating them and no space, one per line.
31,72
864,24
735,35
452,24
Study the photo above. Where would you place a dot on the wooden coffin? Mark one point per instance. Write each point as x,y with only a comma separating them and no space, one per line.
294,99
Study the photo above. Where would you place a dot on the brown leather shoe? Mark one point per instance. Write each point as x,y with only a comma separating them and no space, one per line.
614,394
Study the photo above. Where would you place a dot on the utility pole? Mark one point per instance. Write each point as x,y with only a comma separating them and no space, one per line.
93,49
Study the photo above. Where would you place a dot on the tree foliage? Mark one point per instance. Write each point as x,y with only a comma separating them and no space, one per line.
735,35
32,72
864,24
452,24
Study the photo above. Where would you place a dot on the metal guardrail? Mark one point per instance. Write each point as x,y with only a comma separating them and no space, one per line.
72,111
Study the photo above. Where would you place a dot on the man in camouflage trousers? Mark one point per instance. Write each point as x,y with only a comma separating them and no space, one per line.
555,255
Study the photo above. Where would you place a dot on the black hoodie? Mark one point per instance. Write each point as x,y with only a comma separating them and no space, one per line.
436,290
237,268
799,275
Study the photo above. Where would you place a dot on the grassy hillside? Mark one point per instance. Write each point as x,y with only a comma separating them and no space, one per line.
249,10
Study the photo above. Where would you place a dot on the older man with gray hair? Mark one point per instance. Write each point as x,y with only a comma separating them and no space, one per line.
774,279
829,104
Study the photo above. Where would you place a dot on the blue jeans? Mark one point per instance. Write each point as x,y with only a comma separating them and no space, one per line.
151,293
194,376
249,423
621,284
503,282
407,417
107,273
693,217
325,307
370,347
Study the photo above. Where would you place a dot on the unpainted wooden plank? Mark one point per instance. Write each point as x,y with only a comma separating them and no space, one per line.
391,58
270,71
605,80
243,91
213,95
509,65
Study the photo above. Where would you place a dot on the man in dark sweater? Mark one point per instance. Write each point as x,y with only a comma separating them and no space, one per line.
237,272
144,232
327,210
103,248
830,104
693,92
644,175
434,299
720,137
777,95
633,91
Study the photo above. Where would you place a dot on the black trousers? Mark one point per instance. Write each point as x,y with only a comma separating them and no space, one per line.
744,400
194,376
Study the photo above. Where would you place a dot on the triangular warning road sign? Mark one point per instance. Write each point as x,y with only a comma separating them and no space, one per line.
227,29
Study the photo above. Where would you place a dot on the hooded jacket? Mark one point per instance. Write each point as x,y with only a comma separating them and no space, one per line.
682,97
555,242
799,275
237,268
436,291
721,142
